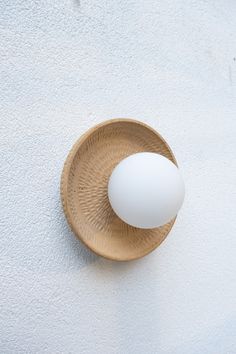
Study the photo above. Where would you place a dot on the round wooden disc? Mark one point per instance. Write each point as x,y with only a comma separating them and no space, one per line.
84,188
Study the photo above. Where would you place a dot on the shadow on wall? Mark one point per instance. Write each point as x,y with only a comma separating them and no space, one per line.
132,302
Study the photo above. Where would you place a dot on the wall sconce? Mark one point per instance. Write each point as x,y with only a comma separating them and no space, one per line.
121,189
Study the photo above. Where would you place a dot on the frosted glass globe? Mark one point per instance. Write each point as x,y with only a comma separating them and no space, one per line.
146,190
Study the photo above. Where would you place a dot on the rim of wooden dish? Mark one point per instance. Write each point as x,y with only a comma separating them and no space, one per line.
64,189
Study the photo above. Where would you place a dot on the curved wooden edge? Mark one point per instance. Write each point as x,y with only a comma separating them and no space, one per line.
64,184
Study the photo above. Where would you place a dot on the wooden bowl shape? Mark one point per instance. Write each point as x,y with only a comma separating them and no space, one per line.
84,189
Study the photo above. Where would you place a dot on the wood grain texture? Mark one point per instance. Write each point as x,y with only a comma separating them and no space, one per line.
84,183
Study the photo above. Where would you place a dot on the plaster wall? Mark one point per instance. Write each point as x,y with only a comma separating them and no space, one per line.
65,66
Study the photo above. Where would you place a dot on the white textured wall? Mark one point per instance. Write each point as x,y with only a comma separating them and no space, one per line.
66,65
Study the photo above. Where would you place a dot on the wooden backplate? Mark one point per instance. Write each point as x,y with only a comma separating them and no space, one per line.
84,188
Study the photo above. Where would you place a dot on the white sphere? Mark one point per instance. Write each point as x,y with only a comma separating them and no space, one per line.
146,190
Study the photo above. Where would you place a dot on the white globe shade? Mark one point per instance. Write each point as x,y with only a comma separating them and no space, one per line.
146,190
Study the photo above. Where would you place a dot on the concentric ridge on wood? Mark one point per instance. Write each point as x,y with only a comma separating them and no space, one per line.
84,188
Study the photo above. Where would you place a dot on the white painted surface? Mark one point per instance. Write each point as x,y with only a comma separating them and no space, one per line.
65,66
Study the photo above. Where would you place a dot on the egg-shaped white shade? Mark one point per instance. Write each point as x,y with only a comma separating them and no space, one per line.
146,190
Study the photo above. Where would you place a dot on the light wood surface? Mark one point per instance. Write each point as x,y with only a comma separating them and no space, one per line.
84,188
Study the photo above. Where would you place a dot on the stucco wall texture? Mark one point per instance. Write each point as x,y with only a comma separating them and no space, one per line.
65,66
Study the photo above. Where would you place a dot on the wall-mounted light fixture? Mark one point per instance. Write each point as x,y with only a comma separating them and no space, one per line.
121,189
